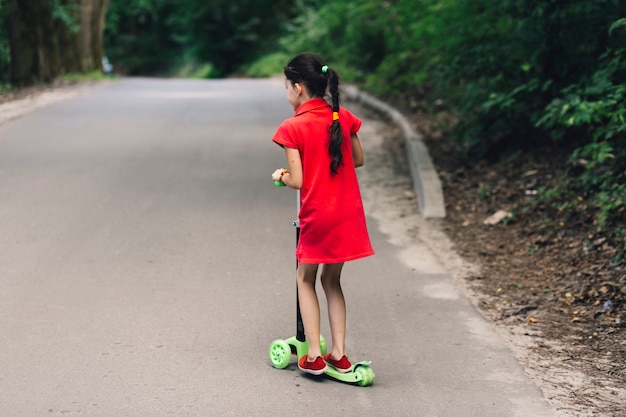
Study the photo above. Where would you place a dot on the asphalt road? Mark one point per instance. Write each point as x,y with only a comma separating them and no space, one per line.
146,263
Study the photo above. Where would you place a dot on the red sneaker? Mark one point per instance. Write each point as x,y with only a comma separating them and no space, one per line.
317,367
343,365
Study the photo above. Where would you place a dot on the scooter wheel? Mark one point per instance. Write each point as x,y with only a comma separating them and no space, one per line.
280,354
366,375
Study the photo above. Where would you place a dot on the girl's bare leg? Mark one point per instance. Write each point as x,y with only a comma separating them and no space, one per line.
306,276
331,275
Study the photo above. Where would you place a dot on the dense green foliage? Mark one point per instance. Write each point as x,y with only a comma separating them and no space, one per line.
216,37
517,74
143,36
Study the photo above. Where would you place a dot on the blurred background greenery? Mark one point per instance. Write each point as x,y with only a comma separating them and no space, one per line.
513,74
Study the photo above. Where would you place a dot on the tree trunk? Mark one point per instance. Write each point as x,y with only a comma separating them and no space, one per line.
33,41
99,19
93,14
86,56
68,37
42,47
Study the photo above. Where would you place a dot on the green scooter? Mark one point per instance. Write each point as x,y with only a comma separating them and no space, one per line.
281,351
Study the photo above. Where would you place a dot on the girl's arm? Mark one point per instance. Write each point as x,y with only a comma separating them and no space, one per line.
292,178
357,151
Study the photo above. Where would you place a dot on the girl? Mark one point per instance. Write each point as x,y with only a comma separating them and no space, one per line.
323,150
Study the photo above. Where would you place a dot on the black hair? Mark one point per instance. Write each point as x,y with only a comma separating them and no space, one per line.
309,69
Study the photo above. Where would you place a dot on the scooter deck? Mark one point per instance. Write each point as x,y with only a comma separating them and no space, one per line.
280,356
360,374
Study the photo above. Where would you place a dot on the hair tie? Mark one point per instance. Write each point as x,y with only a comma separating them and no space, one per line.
335,115
324,69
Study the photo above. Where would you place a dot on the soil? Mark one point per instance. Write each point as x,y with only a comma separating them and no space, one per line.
546,276
59,86
543,277
21,101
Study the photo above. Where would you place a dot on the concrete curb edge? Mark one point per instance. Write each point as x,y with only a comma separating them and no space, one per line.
425,179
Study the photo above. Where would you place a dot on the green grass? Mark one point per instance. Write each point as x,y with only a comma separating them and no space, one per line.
81,77
267,66
193,69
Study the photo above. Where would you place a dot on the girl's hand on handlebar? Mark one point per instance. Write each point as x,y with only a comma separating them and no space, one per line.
277,175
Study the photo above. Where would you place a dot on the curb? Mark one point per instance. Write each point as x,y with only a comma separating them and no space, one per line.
425,179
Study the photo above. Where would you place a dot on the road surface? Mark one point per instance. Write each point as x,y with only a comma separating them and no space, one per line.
146,263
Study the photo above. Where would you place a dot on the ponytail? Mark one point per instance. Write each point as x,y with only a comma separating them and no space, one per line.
309,69
335,133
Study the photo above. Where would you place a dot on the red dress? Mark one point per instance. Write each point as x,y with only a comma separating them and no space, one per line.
332,220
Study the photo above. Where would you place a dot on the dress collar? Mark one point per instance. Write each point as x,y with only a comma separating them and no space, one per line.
314,103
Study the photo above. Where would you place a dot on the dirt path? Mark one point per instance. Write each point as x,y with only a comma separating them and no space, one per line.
31,99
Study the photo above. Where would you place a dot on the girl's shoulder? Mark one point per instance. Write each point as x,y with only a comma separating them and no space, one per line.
353,122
